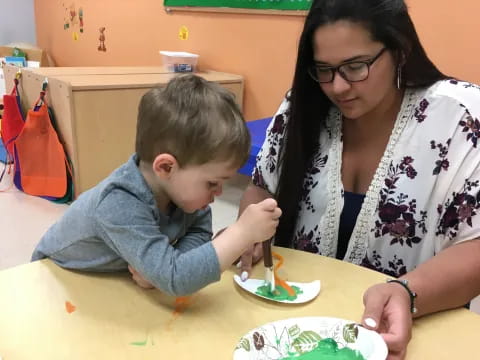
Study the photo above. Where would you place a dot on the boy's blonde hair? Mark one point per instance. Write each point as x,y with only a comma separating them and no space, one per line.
194,120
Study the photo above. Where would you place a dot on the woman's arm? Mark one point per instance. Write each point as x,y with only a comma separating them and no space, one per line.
252,195
446,281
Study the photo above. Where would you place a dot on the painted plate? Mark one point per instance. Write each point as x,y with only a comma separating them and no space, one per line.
292,337
309,290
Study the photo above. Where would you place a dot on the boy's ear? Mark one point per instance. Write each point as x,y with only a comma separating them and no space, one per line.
163,165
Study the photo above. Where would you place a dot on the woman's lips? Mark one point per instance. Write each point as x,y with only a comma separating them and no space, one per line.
346,101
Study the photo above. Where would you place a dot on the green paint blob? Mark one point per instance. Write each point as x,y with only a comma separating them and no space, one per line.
281,293
139,343
327,349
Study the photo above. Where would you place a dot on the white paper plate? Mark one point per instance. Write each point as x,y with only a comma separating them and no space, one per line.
309,290
278,340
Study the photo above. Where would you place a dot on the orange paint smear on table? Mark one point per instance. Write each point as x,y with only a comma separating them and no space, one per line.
181,304
70,307
278,280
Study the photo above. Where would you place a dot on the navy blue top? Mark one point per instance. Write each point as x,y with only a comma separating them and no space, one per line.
352,205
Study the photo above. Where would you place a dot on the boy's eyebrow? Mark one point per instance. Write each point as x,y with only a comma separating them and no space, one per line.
353,58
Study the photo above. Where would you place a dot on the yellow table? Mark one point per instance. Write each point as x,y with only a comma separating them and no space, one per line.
115,319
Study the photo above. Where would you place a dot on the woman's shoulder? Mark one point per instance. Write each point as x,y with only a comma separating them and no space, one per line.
455,92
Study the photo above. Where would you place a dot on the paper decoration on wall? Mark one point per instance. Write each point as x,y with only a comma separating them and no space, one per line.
80,19
101,38
183,33
73,15
73,20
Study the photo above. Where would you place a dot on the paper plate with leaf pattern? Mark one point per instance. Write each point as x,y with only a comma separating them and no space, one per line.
298,338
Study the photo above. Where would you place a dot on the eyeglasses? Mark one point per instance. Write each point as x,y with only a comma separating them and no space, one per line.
352,71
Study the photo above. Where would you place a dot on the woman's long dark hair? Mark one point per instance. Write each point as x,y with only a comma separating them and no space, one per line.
389,23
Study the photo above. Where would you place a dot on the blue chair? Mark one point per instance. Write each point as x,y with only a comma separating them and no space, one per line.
257,130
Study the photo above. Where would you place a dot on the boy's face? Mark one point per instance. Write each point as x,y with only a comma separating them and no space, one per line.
194,187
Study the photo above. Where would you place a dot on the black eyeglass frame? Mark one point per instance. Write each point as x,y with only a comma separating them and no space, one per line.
334,69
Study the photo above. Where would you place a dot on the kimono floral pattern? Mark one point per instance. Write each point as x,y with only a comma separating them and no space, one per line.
409,217
275,140
471,126
319,161
395,267
307,241
396,213
442,163
420,110
460,208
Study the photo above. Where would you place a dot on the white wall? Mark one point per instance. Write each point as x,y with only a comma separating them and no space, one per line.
17,22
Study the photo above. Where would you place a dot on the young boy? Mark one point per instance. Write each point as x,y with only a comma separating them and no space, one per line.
152,214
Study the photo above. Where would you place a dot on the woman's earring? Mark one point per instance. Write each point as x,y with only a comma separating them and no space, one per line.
399,77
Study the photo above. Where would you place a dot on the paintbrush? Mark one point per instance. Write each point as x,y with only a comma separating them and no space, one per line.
268,263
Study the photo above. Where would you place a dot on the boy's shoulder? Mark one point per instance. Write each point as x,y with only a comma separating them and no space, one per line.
124,186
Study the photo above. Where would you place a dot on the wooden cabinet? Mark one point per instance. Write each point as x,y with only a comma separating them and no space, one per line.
96,110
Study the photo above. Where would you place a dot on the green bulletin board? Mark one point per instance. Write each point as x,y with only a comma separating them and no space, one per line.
245,4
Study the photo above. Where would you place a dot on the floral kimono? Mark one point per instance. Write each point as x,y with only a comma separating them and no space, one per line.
424,196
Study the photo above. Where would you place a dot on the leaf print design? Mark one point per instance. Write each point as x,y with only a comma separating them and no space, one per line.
258,341
294,331
443,163
459,209
243,344
396,214
350,332
306,341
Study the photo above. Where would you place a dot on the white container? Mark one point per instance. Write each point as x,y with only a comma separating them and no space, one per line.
179,61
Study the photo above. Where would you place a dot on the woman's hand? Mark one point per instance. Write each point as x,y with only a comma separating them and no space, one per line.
248,259
387,311
139,279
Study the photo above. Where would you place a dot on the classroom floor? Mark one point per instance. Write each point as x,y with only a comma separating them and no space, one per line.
24,219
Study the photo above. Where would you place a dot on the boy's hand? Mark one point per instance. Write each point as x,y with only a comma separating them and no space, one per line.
139,279
259,221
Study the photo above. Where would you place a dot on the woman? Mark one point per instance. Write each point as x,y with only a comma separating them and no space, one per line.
373,159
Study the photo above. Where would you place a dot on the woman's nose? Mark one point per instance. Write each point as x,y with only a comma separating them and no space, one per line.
339,84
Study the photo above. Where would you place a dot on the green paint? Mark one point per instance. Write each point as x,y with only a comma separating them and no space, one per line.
139,343
280,292
327,349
